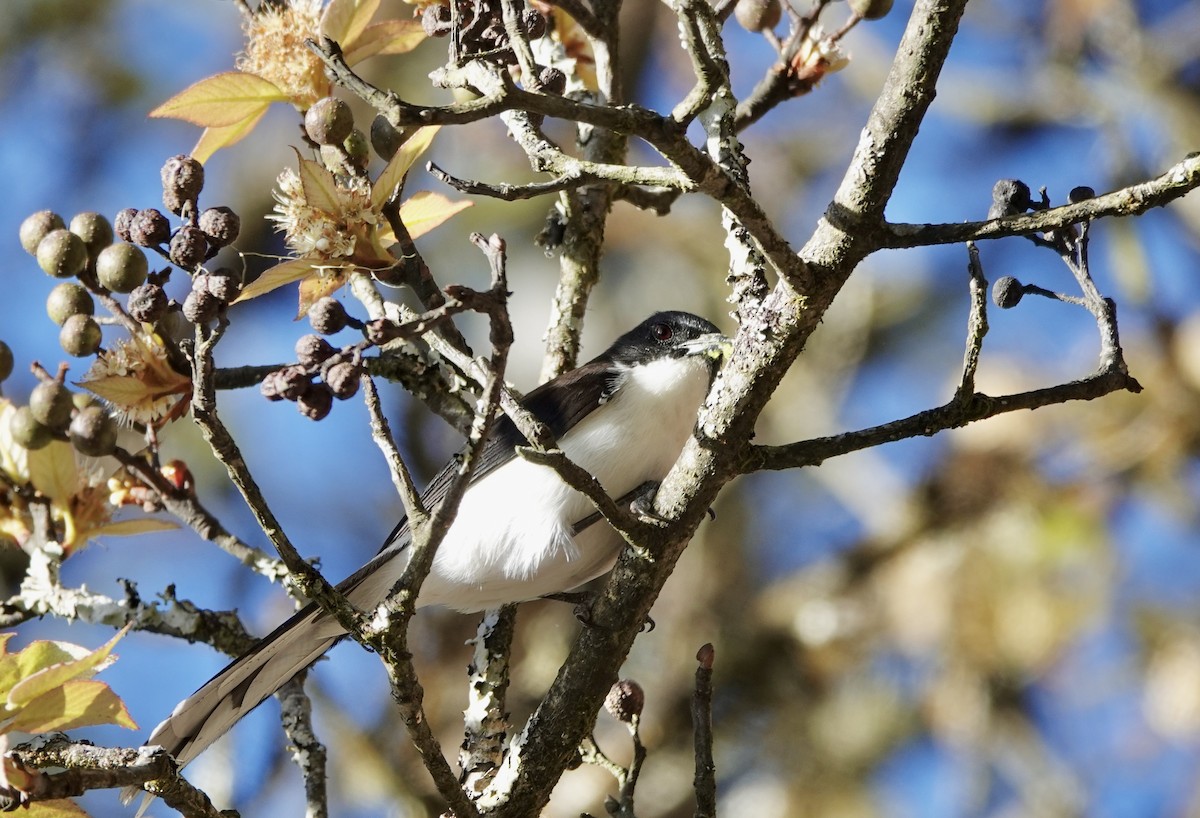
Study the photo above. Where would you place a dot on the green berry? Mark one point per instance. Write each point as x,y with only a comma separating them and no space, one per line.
62,254
26,431
871,9
80,336
121,267
329,121
6,361
35,228
50,404
67,299
95,231
93,432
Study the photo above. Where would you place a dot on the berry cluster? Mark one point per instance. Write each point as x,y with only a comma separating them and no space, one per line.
55,412
322,372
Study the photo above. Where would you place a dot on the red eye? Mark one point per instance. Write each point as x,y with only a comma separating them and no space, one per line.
662,332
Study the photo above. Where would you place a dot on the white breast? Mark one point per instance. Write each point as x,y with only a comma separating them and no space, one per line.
511,539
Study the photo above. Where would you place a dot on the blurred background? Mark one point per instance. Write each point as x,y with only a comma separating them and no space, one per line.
1002,620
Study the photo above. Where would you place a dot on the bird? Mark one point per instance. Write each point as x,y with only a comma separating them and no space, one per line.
624,416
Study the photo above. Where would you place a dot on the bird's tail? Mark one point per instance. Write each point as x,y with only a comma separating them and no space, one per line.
211,711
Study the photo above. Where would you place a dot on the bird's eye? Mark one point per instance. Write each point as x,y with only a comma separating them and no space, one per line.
662,332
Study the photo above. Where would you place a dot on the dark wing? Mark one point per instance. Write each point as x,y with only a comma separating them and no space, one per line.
559,403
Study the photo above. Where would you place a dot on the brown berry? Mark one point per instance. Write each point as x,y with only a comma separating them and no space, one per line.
35,228
149,228
6,361
222,284
343,378
386,138
62,254
121,267
625,700
311,350
67,299
1007,292
316,401
221,225
123,221
327,315
200,307
189,247
182,179
147,303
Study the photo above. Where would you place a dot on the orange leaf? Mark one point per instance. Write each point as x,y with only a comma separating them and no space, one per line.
344,20
393,174
78,703
278,276
317,287
385,37
222,99
213,139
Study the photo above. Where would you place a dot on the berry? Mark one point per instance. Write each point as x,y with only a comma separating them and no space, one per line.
121,267
553,80
123,222
182,179
94,229
758,15
35,228
1009,197
222,284
327,315
625,700
149,228
1081,194
316,401
358,148
288,383
188,247
67,299
1007,292
329,121
311,350
871,9
342,379
386,138
26,431
220,225
93,432
80,336
147,303
200,307
6,361
50,404
533,24
62,254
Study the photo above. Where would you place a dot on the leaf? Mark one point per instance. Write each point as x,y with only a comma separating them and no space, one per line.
222,99
344,20
385,37
392,175
213,139
77,703
127,528
425,210
49,677
54,472
33,658
122,390
320,188
278,276
317,287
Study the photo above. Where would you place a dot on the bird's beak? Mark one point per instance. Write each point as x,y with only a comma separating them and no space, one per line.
712,345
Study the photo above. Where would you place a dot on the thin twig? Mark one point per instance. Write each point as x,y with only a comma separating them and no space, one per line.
704,782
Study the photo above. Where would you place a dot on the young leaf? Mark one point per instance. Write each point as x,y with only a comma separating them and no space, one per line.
393,173
344,20
35,657
314,288
213,139
53,471
77,703
277,276
222,99
385,37
320,188
425,210
54,675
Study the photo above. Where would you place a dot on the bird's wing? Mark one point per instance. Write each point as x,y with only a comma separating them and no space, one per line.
212,710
